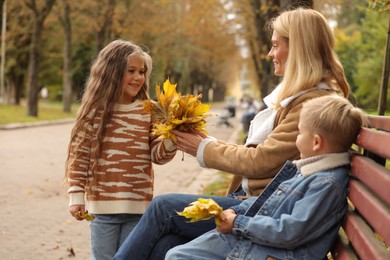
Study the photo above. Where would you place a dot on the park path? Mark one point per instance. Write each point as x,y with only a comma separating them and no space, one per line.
34,218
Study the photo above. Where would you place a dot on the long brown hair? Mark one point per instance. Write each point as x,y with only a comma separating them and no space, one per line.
103,90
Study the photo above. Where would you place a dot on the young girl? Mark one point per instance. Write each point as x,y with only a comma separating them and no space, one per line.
109,164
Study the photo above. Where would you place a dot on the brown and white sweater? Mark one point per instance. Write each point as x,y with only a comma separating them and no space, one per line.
122,181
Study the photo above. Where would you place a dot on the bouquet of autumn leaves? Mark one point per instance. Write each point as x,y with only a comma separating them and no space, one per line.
203,209
174,111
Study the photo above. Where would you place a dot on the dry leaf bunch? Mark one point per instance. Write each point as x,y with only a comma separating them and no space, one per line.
174,111
203,209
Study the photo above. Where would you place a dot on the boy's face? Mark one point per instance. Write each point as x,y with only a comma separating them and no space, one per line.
305,140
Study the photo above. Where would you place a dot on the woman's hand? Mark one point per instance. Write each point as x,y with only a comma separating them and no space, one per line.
226,225
188,142
77,208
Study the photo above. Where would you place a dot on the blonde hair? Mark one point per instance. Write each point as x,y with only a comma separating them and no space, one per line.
104,88
333,117
311,58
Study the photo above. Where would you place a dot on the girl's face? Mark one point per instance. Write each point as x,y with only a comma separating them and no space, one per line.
305,140
133,79
278,53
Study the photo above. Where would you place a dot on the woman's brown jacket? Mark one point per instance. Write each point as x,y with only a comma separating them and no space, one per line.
262,162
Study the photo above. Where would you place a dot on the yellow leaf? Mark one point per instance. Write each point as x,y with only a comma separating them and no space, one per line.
174,111
203,209
85,216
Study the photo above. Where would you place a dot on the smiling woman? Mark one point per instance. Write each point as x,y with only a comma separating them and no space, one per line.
279,53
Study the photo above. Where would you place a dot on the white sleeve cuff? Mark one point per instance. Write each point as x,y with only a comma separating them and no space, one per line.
76,198
200,152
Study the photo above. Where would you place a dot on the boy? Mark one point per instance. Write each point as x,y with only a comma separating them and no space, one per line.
299,213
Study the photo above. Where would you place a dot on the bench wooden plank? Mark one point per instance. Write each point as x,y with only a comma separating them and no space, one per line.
367,224
375,141
363,239
375,176
342,251
374,211
379,122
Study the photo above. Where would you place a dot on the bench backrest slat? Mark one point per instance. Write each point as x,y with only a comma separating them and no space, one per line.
378,179
379,122
374,141
363,239
371,208
365,232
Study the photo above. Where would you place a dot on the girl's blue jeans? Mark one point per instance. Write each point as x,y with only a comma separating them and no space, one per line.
161,228
108,232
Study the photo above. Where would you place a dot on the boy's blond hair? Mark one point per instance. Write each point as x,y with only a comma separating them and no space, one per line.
333,117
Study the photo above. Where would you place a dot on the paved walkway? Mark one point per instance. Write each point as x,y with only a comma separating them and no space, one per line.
34,218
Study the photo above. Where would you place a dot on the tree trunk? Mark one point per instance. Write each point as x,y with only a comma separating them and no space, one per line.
104,30
267,80
3,38
35,54
33,69
67,77
385,76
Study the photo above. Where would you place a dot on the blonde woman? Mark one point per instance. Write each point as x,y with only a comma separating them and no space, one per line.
303,55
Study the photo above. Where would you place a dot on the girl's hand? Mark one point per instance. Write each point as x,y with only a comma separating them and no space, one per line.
188,142
77,208
226,225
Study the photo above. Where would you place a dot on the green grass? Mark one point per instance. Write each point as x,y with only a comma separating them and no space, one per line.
219,187
47,111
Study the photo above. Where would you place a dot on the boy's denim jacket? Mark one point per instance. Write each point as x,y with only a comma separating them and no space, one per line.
299,213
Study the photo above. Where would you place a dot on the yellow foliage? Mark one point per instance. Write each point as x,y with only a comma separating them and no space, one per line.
203,209
85,216
174,111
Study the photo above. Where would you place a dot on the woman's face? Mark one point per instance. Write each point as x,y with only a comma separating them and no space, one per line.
278,53
133,79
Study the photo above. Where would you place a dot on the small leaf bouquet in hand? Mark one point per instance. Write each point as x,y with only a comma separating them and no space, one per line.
203,209
85,215
174,111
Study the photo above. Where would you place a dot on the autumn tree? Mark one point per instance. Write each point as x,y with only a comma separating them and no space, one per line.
17,50
185,38
98,15
67,56
383,6
39,13
254,16
370,58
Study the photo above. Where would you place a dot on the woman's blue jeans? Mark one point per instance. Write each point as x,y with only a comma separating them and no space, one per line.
161,228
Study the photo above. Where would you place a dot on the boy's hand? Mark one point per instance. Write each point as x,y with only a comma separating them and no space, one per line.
226,225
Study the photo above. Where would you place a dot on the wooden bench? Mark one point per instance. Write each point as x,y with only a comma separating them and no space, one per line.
365,233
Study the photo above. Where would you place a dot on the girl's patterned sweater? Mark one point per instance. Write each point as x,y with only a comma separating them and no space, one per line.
122,181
